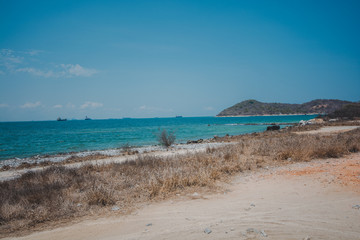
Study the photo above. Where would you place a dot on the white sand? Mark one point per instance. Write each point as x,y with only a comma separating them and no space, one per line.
283,206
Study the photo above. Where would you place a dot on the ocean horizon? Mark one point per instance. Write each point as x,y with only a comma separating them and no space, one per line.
34,139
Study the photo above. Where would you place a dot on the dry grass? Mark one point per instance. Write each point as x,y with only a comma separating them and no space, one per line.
306,147
58,193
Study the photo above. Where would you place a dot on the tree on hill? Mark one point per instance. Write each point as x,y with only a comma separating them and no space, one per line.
254,107
349,111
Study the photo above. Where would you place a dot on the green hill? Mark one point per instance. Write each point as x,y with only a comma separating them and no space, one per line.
254,107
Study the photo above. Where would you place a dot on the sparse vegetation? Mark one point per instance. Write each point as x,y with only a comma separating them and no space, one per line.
166,139
58,193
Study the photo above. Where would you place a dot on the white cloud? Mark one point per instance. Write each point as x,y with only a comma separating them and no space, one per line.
209,108
68,70
34,52
58,106
9,55
3,105
31,105
20,61
77,70
37,72
9,59
91,105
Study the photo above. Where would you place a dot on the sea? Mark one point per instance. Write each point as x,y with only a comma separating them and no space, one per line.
44,139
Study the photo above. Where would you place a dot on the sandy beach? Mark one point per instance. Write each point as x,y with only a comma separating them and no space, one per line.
319,199
314,200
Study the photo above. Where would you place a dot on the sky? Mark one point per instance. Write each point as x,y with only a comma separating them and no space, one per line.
115,59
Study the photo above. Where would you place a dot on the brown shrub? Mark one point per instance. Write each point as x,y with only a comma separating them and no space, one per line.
100,195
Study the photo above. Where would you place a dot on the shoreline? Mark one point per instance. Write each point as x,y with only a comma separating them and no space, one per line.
60,152
113,152
109,152
75,157
13,168
16,170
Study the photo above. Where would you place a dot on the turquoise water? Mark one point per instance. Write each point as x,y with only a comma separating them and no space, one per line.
28,139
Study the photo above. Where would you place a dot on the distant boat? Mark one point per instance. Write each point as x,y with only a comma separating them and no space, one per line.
86,118
61,119
179,116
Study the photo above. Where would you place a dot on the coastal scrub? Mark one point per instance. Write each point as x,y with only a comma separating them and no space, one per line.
58,193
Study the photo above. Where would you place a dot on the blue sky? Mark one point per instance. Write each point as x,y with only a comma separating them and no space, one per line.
114,59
